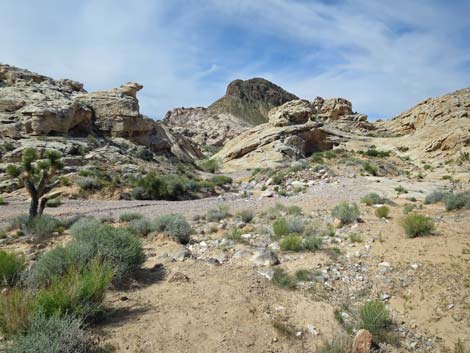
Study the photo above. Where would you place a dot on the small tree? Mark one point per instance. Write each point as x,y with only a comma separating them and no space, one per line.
36,174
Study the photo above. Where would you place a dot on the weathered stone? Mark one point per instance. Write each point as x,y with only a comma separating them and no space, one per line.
265,257
291,113
362,342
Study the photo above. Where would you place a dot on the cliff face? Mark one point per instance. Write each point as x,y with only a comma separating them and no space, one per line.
34,105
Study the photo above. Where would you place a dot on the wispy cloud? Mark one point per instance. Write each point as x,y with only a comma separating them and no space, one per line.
384,56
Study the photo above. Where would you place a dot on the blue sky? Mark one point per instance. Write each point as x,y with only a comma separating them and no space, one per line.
384,56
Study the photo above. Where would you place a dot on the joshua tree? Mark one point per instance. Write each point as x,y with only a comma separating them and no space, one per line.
36,175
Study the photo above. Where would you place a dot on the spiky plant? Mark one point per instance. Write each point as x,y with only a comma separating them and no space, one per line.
36,175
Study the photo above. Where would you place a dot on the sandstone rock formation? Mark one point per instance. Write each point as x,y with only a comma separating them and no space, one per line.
437,127
251,100
292,133
35,105
203,126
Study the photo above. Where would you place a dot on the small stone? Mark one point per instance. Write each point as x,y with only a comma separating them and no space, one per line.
414,266
267,273
267,193
312,330
362,342
337,223
265,257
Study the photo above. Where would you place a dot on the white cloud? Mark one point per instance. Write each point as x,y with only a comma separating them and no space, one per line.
384,56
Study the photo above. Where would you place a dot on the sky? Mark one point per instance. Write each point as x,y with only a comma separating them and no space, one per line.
384,56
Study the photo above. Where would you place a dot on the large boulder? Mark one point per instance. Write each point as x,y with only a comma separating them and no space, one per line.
291,113
333,109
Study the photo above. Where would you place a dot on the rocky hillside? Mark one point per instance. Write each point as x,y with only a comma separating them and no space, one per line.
251,100
439,127
245,104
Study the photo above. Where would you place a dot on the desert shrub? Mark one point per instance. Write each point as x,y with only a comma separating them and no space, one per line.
457,201
303,275
376,153
64,181
234,235
246,215
296,225
79,291
291,242
55,334
417,225
89,183
219,213
311,243
408,208
141,227
355,238
280,228
337,345
127,217
400,189
382,212
118,246
163,187
210,165
54,202
174,225
16,308
84,226
294,210
11,265
2,201
138,193
372,199
346,212
375,318
435,196
370,168
283,280
220,180
39,227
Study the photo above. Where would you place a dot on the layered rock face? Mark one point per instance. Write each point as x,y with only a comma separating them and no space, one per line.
292,133
334,109
203,126
35,105
439,126
251,100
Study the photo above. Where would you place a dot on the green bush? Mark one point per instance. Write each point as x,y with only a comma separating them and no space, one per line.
39,227
311,243
401,190
303,275
11,265
370,168
220,180
164,187
283,280
375,318
54,202
56,334
372,199
376,153
85,225
346,212
355,238
280,228
408,208
140,227
435,197
291,242
417,225
219,213
2,201
246,215
127,217
16,308
117,246
382,212
457,201
174,225
294,210
210,165
89,183
79,291
296,225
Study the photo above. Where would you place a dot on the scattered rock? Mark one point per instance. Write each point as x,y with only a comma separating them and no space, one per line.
265,257
362,342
